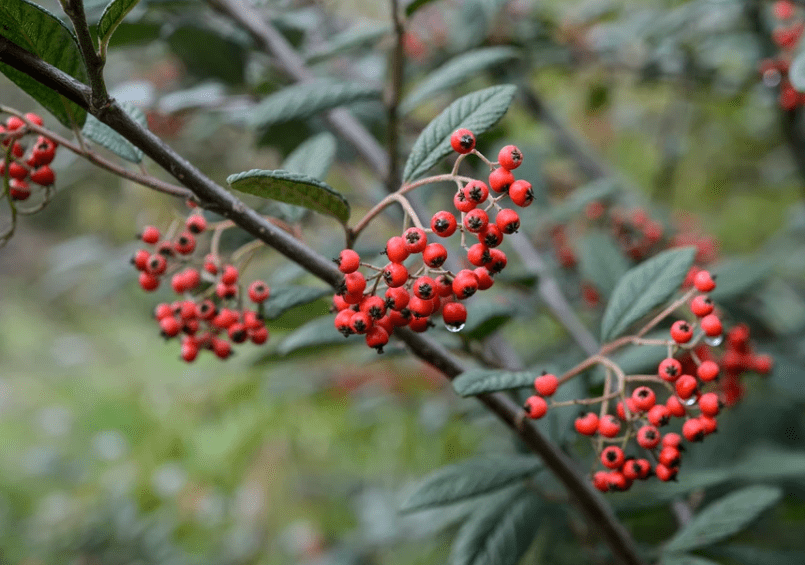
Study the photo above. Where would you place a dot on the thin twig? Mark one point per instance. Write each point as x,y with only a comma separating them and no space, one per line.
93,62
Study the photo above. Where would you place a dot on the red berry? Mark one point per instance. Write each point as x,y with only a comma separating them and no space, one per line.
258,336
659,415
148,282
230,275
703,281
633,409
601,481
490,235
259,291
226,291
535,407
169,326
761,364
670,369
485,280
510,157
207,310
461,203
465,284
434,255
421,308
665,473
185,243
376,338
140,259
784,9
221,347
397,298
707,371
709,404
648,437
608,426
701,306
546,384
462,141
224,318
675,407
360,322
475,191
711,325
424,288
672,439
34,118
19,189
498,261
443,224
14,123
586,424
354,283
478,254
150,235
669,456
156,264
618,481
681,332
17,171
189,350
396,249
415,240
612,457
420,324
500,180
238,333
521,193
693,430
644,398
43,152
395,275
374,306
454,315
686,386
348,261
196,223
508,221
709,424
343,322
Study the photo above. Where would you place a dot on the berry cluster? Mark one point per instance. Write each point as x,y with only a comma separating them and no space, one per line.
786,36
692,390
415,292
25,167
210,315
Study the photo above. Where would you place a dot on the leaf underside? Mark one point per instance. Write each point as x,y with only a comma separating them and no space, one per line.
480,381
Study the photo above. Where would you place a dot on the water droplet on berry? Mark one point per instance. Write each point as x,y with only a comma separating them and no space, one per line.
690,401
454,328
714,341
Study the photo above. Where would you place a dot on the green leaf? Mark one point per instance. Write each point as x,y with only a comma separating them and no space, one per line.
357,36
477,111
284,298
796,72
207,54
685,559
480,381
760,556
292,188
468,479
308,98
43,34
644,287
415,5
313,157
738,276
485,317
498,534
595,191
723,518
105,136
601,262
318,332
114,13
456,71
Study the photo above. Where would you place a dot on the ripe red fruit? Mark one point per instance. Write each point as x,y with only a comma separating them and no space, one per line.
701,306
633,409
675,407
498,261
586,424
465,284
500,180
196,224
709,424
377,337
185,243
443,224
510,157
670,369
17,171
644,398
395,275
476,220
374,306
258,336
454,314
476,191
703,281
618,481
221,347
659,415
693,430
360,322
156,264
784,9
19,189
34,118
686,386
536,407
140,259
521,193
761,364
707,371
461,203
490,235
396,249
681,332
343,321
485,280
711,325
14,123
421,308
420,324
709,404
546,384
238,333
397,298
259,291
665,473
189,350
434,255
508,221
354,283
230,275
43,152
148,282
648,437
224,318
612,457
226,291
415,240
672,439
478,254
601,481
150,235
424,288
608,426
462,141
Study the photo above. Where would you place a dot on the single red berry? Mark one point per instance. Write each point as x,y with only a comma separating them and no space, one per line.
374,306
360,322
348,261
670,369
226,291
17,171
156,264
546,384
224,318
601,481
701,306
707,371
420,324
189,350
711,325
608,426
230,275
221,347
14,123
508,221
659,415
400,318
612,457
761,364
397,298
669,456
376,338
485,280
424,288
709,404
395,275
665,473
586,424
465,284
415,240
207,310
252,321
150,235
686,386
693,430
536,407
491,236
258,336
259,291
461,203
354,283
648,437
478,255
476,191
476,220
19,189
163,310
434,255
169,327
238,333
420,308
498,261
343,322
510,157
672,439
43,152
703,281
148,282
185,243
140,259
443,224
34,118
178,283
396,249
500,180
454,315
385,323
618,481
644,398
709,424
462,141
681,332
196,224
521,193
632,407
675,406
784,9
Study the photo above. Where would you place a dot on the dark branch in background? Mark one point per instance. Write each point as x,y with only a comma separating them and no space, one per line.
396,67
340,121
75,11
222,201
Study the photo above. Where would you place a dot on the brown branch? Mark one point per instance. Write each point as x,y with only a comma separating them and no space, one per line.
93,62
396,66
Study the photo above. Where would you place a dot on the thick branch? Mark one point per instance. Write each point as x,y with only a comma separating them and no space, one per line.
340,121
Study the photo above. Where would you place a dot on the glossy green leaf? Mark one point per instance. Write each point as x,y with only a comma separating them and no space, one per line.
737,276
470,478
105,136
645,287
685,559
313,157
207,54
499,533
456,71
43,34
477,111
284,298
315,333
292,188
723,518
601,262
114,13
479,381
308,98
358,36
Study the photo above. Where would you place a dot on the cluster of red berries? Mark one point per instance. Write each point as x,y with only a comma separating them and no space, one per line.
694,395
415,293
213,318
25,167
786,36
